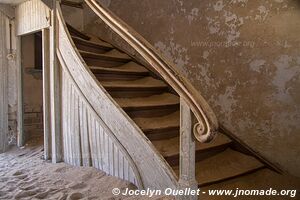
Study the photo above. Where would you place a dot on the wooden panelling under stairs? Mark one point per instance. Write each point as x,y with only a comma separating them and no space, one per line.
154,107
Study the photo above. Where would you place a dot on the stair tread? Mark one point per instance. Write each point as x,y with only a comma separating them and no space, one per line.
117,53
170,147
94,43
147,82
103,56
154,123
225,165
164,99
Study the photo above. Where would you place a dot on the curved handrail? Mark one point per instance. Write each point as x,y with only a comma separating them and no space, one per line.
206,127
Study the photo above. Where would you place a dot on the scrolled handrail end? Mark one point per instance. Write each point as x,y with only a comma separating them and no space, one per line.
204,134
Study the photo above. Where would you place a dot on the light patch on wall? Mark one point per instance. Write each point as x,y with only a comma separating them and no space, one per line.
227,102
285,71
175,53
256,65
238,1
290,119
193,15
263,13
279,1
219,5
214,25
205,54
233,22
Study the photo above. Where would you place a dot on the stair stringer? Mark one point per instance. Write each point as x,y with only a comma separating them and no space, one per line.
150,166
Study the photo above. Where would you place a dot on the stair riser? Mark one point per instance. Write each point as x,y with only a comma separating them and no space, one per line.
102,63
151,111
204,184
119,77
88,48
78,34
200,154
138,92
162,134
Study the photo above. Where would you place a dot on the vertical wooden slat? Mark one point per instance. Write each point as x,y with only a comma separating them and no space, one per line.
92,140
77,143
101,146
97,145
67,119
121,165
106,150
84,136
64,116
72,100
46,93
3,86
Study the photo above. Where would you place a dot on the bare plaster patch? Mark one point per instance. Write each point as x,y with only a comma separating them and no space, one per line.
193,15
175,53
227,102
256,65
286,69
219,5
263,13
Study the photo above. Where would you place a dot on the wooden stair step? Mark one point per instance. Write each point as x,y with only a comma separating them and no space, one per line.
169,148
123,70
158,128
128,71
224,166
135,88
151,106
72,4
105,57
118,54
103,60
143,83
132,66
92,46
74,32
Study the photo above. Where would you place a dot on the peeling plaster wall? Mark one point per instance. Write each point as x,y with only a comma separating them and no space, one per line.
242,55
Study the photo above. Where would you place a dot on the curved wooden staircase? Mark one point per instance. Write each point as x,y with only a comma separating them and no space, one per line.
154,107
141,123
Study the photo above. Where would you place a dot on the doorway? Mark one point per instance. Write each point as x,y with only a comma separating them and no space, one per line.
32,73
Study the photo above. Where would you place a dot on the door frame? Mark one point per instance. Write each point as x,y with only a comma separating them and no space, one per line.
46,93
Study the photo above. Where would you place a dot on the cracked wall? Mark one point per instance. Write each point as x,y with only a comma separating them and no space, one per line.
243,56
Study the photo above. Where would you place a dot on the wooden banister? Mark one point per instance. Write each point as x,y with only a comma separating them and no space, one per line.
206,126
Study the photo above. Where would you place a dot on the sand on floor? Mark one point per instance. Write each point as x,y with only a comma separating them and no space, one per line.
25,175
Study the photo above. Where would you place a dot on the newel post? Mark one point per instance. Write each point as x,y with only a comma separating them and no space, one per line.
187,177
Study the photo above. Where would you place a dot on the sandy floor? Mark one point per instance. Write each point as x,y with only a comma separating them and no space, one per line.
25,175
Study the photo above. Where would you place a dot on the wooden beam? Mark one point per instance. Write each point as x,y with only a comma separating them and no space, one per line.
46,93
55,94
